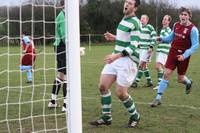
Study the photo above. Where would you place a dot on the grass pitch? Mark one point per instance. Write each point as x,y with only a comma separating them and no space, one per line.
179,112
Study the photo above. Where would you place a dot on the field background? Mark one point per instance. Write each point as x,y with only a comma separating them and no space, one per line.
178,114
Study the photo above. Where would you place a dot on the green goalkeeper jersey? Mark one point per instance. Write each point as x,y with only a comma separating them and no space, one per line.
164,47
60,28
147,37
127,37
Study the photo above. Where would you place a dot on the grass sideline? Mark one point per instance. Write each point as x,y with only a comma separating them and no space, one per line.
179,112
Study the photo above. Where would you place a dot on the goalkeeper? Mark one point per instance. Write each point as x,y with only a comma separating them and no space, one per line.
61,60
28,58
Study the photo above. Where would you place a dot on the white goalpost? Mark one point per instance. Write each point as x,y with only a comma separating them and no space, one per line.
24,105
74,113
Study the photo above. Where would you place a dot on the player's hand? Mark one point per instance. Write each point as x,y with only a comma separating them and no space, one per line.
180,58
112,57
158,38
150,50
109,37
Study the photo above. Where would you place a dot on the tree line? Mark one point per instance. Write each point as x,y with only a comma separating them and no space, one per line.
96,17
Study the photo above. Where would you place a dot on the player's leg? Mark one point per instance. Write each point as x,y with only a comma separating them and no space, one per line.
58,80
24,68
140,69
169,68
160,62
26,65
61,77
64,79
147,75
106,80
187,82
139,76
147,59
31,63
62,70
182,68
128,103
123,82
160,73
162,87
55,90
64,108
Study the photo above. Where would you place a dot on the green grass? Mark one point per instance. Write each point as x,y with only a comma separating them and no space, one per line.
178,114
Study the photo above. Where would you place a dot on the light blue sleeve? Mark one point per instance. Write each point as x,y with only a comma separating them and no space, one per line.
26,40
194,36
169,38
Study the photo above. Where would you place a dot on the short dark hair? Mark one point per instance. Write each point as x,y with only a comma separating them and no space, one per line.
184,9
25,32
137,3
62,3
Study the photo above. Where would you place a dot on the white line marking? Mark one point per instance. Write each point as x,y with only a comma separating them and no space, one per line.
141,103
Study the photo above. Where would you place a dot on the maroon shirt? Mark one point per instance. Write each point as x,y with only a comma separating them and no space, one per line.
181,39
30,49
29,57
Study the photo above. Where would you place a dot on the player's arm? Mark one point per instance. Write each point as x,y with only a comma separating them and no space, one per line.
169,38
128,51
194,36
153,37
134,43
109,36
112,57
60,28
57,33
27,42
25,50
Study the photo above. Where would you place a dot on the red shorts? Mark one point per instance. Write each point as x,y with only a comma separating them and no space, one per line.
172,62
28,59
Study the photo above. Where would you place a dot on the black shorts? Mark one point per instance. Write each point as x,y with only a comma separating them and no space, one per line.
61,57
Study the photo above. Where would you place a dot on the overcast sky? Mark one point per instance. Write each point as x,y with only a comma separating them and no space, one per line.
178,3
187,3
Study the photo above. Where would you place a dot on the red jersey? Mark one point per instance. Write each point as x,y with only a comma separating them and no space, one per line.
182,39
30,48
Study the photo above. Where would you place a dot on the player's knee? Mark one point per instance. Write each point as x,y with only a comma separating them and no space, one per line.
158,67
166,76
103,89
180,79
61,76
142,66
121,94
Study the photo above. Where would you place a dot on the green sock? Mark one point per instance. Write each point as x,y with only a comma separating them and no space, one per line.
129,105
147,75
139,75
160,75
106,107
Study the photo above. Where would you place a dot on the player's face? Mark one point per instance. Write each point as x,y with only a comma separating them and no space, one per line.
144,20
184,17
165,20
129,7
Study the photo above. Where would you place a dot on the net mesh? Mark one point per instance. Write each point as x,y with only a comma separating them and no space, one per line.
23,106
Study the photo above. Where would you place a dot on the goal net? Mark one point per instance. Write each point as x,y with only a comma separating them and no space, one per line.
25,93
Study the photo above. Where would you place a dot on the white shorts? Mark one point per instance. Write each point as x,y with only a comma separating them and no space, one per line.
161,58
124,69
145,56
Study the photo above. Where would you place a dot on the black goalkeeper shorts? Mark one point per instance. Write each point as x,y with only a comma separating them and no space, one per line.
61,57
